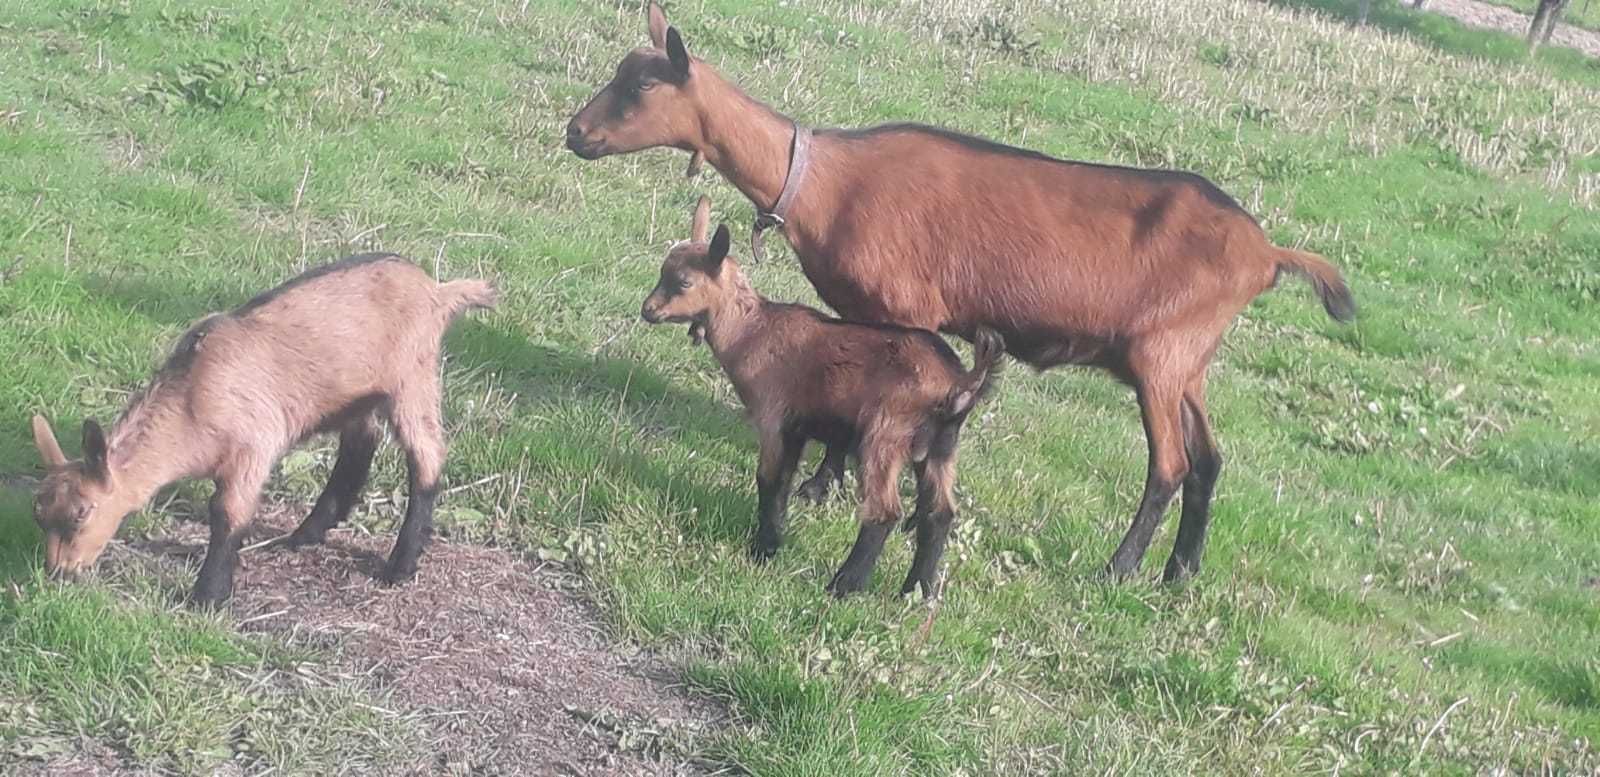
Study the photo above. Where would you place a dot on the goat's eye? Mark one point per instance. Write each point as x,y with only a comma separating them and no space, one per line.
684,284
645,86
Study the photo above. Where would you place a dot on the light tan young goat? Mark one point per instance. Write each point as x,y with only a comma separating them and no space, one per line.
333,349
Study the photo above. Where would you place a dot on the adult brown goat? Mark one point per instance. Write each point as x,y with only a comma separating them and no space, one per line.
1138,272
892,394
331,350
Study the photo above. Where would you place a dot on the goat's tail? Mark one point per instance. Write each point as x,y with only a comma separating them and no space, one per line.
457,297
987,348
1324,277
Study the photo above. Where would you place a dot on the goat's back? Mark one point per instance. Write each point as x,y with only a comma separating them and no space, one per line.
333,341
948,231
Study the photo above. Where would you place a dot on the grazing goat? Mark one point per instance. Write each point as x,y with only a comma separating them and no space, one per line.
1138,272
331,350
891,394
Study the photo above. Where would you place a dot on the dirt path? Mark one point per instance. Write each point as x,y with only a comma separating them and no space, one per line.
507,666
1476,13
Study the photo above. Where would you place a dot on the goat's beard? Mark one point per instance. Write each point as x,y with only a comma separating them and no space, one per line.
697,332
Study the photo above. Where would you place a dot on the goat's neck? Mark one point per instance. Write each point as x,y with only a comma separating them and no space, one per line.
747,141
732,323
153,444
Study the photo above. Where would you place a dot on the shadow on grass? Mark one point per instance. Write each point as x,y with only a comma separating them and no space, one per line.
627,388
1451,36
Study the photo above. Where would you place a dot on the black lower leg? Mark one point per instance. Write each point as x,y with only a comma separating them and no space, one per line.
1130,552
857,569
349,476
829,472
1205,466
215,583
933,531
415,531
773,480
771,513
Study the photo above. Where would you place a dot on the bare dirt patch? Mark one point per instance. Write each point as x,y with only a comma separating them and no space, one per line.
1475,13
505,665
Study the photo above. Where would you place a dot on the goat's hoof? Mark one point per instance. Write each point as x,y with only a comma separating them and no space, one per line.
814,490
399,574
300,539
762,552
208,600
1118,573
912,584
844,584
1178,572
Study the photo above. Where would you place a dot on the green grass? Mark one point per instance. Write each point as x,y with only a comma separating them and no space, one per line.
1448,34
1579,13
1398,579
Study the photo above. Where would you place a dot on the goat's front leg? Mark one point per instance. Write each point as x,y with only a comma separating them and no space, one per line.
829,472
233,506
780,456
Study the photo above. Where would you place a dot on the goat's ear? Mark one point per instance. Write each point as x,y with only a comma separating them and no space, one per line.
677,54
94,451
702,220
658,26
45,441
719,248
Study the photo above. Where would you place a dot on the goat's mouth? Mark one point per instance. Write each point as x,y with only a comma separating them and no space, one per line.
585,148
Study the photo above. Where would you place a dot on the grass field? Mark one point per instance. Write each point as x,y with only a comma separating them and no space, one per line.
1404,574
1579,13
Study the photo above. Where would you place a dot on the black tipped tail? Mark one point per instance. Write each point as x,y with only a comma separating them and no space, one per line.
1325,278
987,348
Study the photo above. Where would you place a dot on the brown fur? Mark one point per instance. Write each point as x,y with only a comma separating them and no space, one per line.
328,351
893,395
1138,272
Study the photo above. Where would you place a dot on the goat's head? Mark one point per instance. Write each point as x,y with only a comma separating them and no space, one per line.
76,505
650,102
697,278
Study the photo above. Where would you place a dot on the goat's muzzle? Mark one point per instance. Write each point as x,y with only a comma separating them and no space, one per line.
578,144
649,313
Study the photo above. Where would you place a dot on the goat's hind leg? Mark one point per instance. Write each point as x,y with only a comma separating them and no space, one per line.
358,442
418,427
881,462
1205,466
932,519
1160,402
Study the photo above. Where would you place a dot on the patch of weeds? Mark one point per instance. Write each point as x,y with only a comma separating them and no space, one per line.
1251,114
767,42
215,84
1000,35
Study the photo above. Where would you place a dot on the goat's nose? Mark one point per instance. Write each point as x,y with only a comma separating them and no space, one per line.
648,314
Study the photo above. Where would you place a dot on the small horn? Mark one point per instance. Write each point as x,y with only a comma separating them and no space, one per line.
696,160
702,220
45,441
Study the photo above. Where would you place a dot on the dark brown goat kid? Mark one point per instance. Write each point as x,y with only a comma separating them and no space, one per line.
1138,272
890,394
332,350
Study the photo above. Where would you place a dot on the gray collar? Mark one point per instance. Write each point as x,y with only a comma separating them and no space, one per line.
799,162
